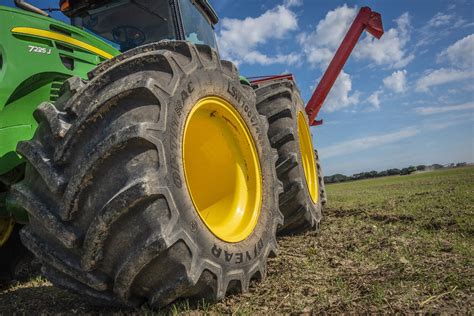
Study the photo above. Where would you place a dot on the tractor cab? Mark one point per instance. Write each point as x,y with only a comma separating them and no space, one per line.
127,24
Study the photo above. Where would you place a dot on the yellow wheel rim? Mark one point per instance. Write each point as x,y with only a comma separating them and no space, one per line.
6,228
307,155
222,169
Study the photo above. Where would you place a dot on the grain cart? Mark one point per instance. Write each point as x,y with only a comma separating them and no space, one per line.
144,168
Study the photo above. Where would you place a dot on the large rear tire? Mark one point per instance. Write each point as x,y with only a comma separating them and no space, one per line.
122,173
298,165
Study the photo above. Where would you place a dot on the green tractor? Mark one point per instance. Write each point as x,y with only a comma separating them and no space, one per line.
140,167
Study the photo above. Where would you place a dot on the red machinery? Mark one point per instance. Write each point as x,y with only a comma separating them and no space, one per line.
366,19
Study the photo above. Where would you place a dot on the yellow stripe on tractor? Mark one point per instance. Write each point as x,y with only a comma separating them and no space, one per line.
62,38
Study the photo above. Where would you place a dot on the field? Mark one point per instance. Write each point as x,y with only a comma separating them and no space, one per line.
394,244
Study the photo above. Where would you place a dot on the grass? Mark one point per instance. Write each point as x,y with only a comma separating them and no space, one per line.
394,244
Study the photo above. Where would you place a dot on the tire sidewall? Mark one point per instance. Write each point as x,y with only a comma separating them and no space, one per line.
203,82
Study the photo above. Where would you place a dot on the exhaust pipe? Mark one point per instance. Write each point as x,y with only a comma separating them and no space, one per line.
29,7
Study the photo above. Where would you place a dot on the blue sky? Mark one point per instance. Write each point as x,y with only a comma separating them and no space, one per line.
407,99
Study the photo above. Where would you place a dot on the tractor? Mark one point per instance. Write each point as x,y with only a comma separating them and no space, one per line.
138,166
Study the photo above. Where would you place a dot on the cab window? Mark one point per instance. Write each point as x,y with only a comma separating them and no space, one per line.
130,23
197,27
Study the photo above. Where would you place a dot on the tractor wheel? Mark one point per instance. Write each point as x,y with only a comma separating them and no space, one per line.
298,165
153,181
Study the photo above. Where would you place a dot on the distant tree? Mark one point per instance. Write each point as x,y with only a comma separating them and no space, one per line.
335,178
408,170
392,172
340,177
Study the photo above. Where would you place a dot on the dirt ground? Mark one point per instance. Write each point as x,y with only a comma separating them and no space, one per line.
394,244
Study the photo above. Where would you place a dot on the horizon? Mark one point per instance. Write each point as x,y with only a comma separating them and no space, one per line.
407,99
447,165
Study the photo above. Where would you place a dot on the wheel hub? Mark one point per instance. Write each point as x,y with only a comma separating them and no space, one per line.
222,169
307,156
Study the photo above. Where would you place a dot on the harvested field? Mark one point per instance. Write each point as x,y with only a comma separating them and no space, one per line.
394,244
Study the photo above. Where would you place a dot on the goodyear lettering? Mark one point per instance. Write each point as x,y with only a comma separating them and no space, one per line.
216,251
238,257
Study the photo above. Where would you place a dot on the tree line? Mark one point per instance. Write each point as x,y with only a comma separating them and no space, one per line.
335,178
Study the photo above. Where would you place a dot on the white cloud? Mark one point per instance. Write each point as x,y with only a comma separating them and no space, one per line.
444,109
339,97
444,20
460,53
331,30
320,45
391,49
292,3
460,56
374,100
440,26
442,76
319,56
440,122
397,81
239,39
255,57
440,19
363,143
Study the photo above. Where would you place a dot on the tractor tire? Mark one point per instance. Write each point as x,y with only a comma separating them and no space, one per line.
302,200
121,168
